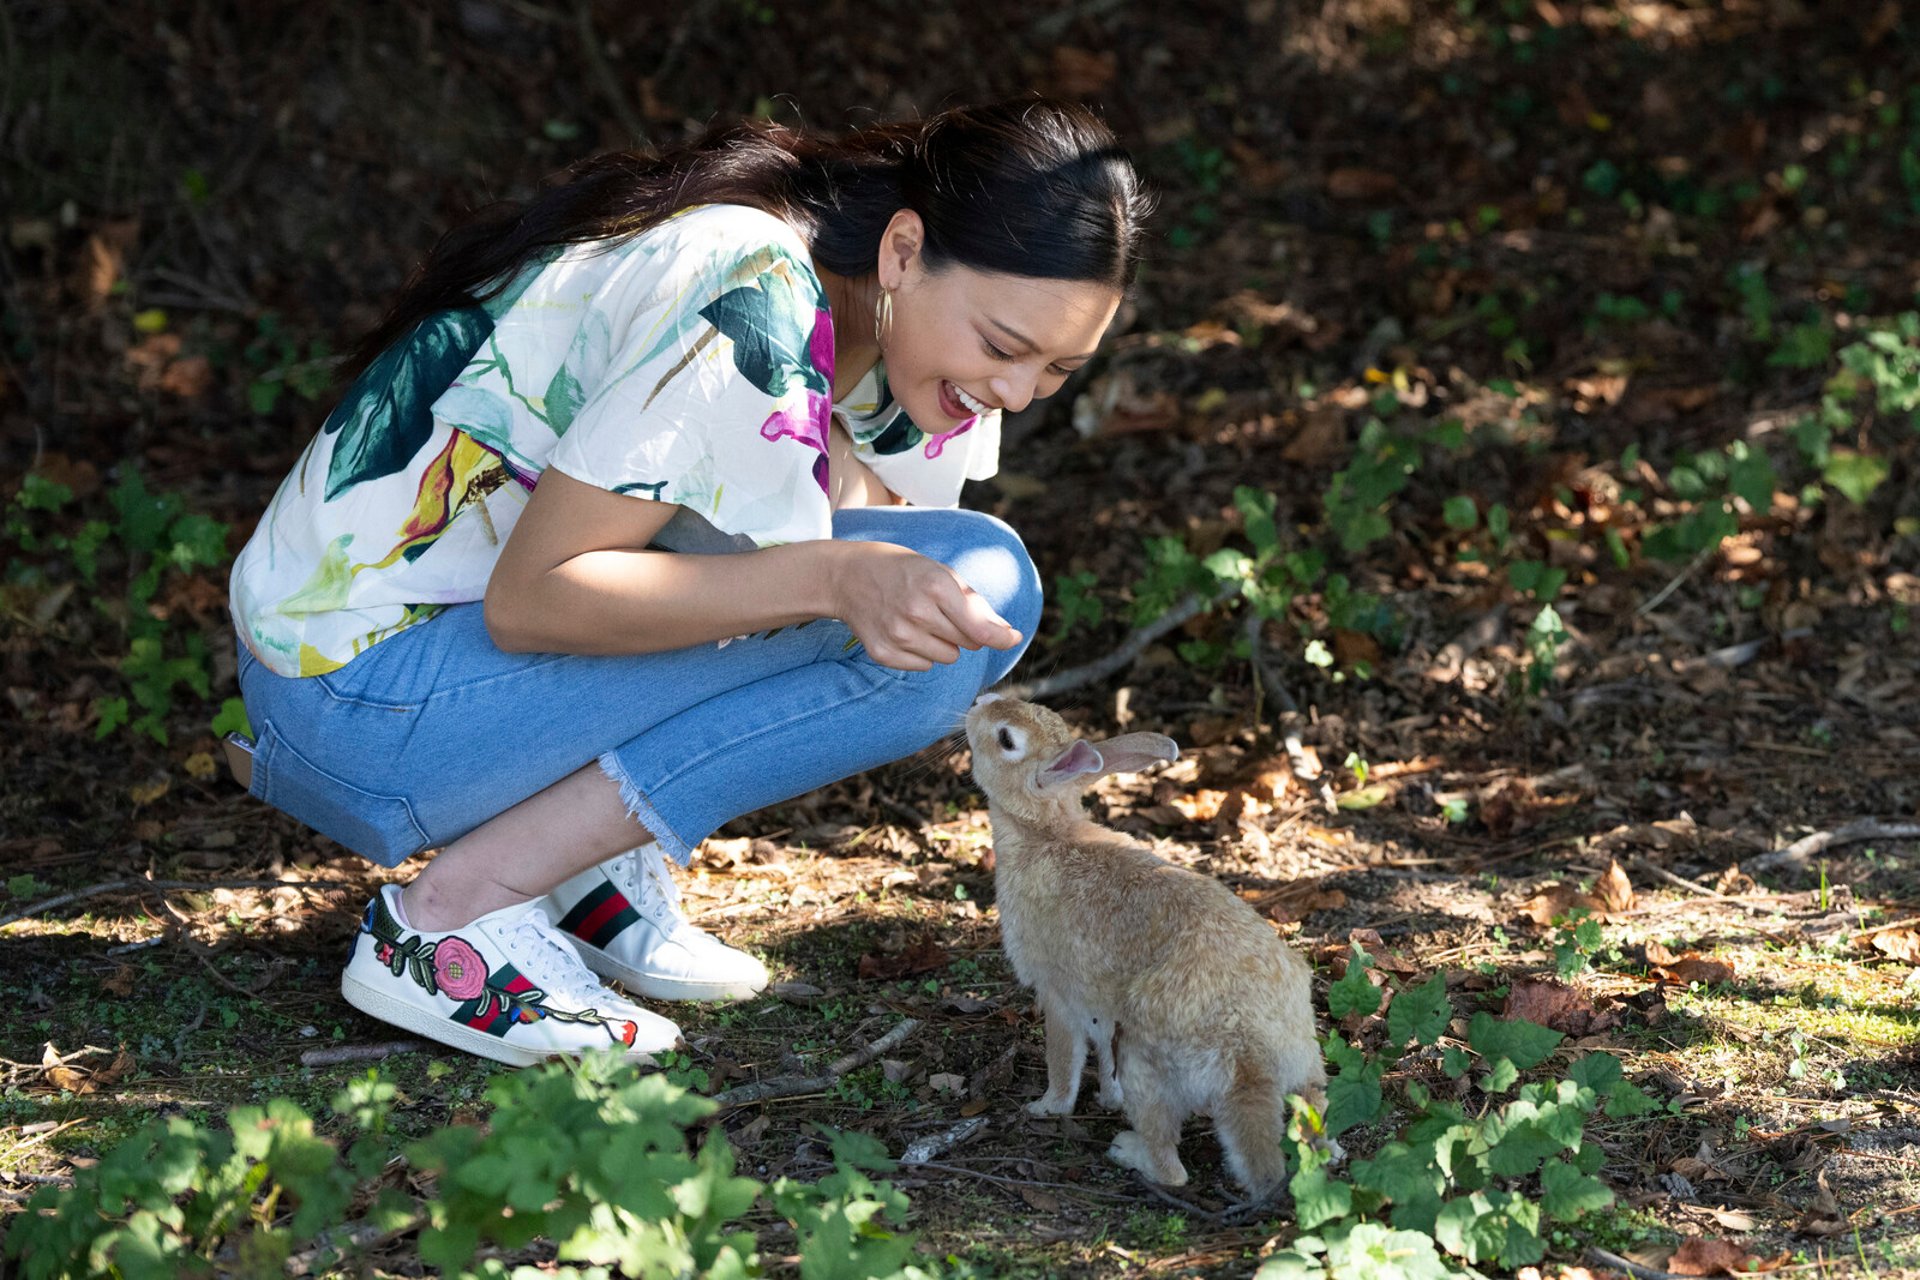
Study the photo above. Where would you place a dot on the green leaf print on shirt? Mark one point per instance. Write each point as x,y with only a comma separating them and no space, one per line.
585,365
387,414
771,322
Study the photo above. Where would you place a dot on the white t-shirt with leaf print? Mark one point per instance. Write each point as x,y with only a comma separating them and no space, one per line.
691,364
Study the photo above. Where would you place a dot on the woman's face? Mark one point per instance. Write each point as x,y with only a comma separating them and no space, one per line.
964,342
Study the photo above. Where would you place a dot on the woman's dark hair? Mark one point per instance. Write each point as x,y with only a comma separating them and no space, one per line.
1029,187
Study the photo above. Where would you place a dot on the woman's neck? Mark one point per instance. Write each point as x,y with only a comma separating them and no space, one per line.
851,304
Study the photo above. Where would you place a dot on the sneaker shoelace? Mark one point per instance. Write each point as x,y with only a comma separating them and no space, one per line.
644,876
551,963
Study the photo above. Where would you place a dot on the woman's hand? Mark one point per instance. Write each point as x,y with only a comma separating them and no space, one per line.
911,611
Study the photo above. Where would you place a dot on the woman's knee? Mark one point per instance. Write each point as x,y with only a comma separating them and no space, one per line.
984,550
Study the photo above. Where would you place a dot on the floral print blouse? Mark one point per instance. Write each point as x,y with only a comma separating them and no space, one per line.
692,364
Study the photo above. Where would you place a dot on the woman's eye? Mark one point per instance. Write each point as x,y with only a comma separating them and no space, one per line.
996,352
1006,740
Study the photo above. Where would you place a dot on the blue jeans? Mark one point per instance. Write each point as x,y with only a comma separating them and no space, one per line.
433,731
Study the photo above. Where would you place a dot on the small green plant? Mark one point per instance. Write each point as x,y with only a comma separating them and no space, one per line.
1578,940
1453,1188
151,539
592,1156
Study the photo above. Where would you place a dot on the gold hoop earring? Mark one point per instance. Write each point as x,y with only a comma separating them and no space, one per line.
882,318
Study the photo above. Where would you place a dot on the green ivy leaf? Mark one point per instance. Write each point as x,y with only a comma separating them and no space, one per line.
1525,1044
1460,513
1567,1193
1319,1197
1421,1013
232,718
1855,474
1369,1251
1454,1061
1256,509
1353,1094
1354,992
1491,1226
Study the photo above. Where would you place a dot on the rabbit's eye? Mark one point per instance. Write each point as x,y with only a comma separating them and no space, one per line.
1006,740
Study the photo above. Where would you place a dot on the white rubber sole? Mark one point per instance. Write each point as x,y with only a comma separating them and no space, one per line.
377,1004
656,987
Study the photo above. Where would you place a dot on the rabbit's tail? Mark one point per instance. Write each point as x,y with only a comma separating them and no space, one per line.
1251,1120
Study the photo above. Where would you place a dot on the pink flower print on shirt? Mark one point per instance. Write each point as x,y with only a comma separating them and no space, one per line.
806,423
936,443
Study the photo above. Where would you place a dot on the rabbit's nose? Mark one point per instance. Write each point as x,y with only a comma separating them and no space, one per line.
985,698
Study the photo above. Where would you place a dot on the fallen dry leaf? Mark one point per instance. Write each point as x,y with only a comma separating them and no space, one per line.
923,956
1702,1257
1687,968
1901,944
1556,1005
1360,184
1297,901
1201,806
1613,889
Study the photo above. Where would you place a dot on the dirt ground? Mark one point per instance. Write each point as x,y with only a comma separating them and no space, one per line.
1545,220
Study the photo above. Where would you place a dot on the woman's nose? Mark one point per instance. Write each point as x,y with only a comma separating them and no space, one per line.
1014,393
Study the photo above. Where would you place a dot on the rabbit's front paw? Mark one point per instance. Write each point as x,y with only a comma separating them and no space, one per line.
1110,1095
1048,1104
1131,1150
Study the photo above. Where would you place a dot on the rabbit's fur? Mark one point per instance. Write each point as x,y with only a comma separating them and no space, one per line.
1189,999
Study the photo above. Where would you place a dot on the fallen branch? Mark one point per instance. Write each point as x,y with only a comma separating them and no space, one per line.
333,1055
1693,567
792,1086
136,882
1678,880
1797,853
1289,712
924,1149
1130,648
1613,1261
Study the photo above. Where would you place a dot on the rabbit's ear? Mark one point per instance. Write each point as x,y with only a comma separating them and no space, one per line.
1132,752
1077,761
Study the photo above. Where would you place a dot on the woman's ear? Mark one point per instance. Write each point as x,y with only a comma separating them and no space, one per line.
900,246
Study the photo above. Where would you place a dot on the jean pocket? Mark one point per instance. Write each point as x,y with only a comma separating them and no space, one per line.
379,827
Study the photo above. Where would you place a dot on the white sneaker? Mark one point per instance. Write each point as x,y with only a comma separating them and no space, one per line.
624,916
508,987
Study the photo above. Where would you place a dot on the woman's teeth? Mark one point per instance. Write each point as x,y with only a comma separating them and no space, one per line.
967,400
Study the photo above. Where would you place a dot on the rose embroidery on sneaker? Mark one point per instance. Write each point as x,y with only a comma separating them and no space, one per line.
458,969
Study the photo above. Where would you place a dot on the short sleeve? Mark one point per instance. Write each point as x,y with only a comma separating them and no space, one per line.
717,392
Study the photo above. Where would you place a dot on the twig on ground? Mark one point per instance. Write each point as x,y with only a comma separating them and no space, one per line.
1797,853
1130,648
1693,567
333,1055
1601,1257
1288,712
1232,1213
793,1086
1738,655
358,1237
924,1149
157,886
1078,1189
1677,880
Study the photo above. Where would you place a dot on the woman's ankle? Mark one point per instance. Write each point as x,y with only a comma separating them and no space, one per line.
425,908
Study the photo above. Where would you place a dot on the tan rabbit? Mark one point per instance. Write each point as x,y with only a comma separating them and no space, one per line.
1189,999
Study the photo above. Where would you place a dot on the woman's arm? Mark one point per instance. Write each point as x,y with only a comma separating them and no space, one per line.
575,577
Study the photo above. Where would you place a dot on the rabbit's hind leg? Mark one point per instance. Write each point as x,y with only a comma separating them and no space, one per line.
1066,1059
1105,1037
1251,1120
1152,1146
